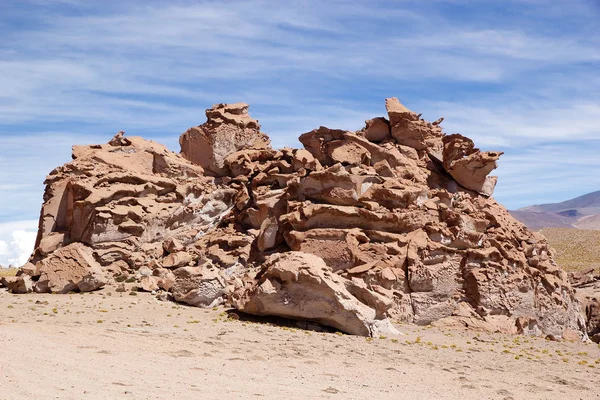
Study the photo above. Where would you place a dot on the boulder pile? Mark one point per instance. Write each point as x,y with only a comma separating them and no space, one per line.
393,222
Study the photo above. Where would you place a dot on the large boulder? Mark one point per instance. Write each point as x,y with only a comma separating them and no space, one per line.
199,286
228,129
68,269
17,284
410,130
301,286
377,129
469,166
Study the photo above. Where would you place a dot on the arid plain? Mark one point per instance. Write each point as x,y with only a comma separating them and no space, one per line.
106,344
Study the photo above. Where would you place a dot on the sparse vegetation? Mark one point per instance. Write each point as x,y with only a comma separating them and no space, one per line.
574,249
8,272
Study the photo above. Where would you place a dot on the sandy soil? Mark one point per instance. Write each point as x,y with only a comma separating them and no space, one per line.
108,345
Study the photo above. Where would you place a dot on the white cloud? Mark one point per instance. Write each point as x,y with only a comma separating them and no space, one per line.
17,240
512,44
498,122
548,173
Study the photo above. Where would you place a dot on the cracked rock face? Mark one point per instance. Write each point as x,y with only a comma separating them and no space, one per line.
229,128
587,284
392,222
300,285
469,166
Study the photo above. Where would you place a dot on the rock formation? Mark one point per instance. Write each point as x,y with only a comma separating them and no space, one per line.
229,128
394,221
587,290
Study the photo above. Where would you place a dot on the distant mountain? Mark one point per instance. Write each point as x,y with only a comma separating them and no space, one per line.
539,220
587,204
582,212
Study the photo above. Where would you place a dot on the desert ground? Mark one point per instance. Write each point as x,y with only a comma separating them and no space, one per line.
109,345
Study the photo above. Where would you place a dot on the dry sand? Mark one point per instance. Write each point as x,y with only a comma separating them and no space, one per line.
108,345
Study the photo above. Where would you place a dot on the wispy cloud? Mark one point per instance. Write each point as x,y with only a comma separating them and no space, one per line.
524,123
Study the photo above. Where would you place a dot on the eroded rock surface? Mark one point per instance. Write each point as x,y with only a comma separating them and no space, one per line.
469,166
587,290
300,285
391,222
229,128
68,269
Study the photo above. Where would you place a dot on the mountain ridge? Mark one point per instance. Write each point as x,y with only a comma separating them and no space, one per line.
582,212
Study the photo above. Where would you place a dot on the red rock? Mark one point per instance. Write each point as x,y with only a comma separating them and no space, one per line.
18,284
337,247
50,243
281,290
377,129
199,286
303,159
33,270
335,185
228,129
177,260
172,245
70,268
149,283
469,166
588,294
409,130
117,268
316,140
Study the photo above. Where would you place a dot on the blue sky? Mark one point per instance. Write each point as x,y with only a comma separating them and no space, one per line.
520,76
